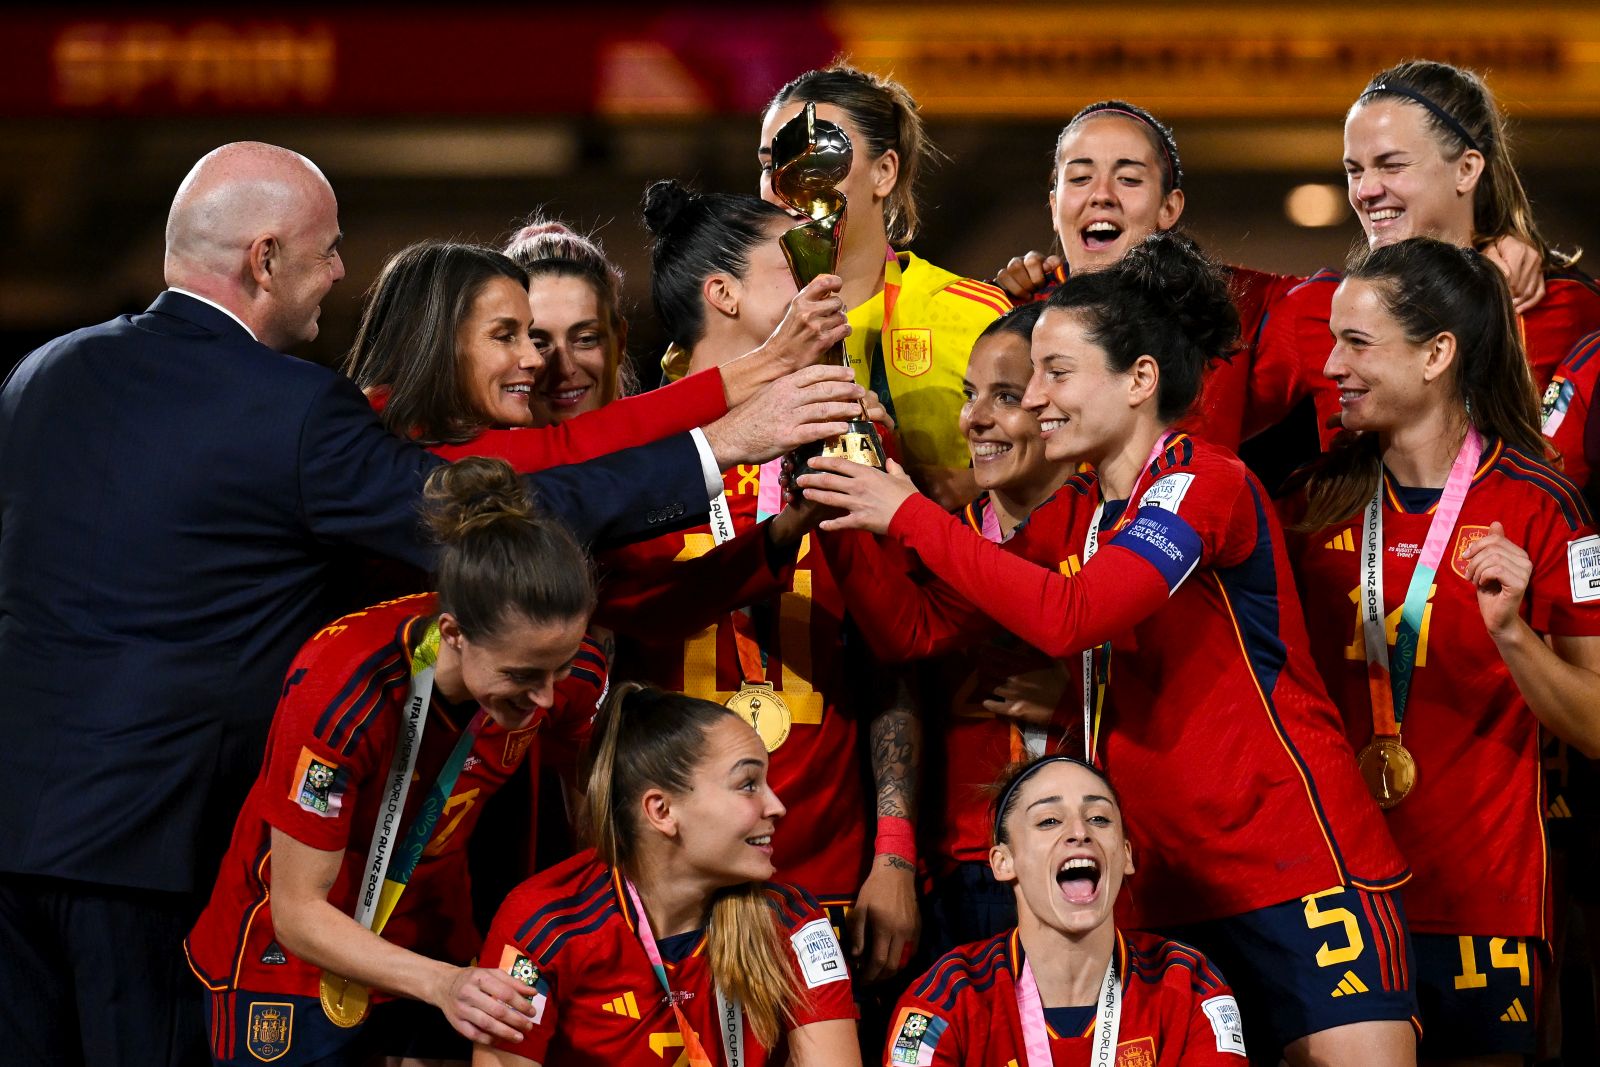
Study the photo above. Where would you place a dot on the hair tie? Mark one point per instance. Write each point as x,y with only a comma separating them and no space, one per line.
1173,173
1016,783
1400,88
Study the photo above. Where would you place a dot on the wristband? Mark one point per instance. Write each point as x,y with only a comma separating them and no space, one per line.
896,837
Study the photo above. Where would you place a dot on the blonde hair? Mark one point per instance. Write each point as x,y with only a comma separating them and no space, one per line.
651,738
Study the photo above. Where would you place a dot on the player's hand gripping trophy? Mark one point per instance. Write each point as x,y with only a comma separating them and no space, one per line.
810,157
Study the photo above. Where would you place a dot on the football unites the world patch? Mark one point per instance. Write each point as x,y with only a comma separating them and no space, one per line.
1223,1012
316,785
1583,567
817,949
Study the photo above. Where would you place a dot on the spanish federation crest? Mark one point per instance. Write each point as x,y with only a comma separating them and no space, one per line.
270,1029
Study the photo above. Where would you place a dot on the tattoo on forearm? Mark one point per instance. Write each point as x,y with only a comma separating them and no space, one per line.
899,864
896,754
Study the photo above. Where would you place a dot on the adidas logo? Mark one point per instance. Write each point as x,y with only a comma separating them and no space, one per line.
1515,1013
1559,809
623,1005
1343,542
273,955
1349,986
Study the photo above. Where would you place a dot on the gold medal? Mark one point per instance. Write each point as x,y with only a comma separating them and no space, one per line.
758,704
1389,770
344,1002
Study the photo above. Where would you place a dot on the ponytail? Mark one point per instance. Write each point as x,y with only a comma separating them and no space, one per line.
651,738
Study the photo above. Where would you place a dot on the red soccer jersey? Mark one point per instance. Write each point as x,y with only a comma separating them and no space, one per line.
1296,335
974,745
1474,738
328,751
1569,413
1214,712
822,844
571,932
1176,1011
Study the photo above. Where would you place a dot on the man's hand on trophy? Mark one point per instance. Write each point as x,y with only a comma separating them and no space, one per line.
813,325
1026,274
809,405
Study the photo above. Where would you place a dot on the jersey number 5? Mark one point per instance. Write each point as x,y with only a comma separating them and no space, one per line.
1327,955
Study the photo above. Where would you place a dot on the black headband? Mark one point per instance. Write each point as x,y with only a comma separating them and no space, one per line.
1016,783
1402,89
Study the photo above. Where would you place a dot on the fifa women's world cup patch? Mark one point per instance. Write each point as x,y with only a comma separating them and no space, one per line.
317,785
916,1035
523,970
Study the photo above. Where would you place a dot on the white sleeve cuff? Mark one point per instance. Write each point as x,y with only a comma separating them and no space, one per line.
708,464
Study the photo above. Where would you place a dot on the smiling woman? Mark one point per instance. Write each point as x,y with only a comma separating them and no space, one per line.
305,958
674,900
1065,984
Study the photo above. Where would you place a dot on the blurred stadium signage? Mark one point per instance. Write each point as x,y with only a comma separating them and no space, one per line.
1224,61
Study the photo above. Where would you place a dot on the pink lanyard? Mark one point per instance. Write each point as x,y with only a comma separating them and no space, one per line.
1036,1035
730,1011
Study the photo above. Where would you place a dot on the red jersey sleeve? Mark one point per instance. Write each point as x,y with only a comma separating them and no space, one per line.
1215,1037
502,951
635,420
1567,411
1289,355
1188,517
923,1034
649,594
903,612
325,736
1564,592
816,955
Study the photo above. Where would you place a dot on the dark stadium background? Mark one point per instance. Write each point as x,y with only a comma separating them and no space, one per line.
458,121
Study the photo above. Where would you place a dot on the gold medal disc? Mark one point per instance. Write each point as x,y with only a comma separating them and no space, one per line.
344,1002
758,704
1389,770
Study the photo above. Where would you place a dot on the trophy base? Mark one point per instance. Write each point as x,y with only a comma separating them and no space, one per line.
859,444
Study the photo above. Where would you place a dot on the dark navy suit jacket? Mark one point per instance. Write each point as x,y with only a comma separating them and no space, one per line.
175,499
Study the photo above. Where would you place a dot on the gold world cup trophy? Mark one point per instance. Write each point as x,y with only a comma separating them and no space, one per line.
810,157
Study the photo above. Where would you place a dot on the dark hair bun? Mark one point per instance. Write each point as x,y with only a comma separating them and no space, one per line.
664,202
1174,275
472,494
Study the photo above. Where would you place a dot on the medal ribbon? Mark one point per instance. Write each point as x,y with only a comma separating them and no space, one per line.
1389,678
401,767
410,854
1095,679
1107,1023
729,1011
752,665
891,287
